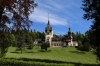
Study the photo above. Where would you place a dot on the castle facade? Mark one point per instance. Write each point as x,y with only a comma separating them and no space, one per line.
59,41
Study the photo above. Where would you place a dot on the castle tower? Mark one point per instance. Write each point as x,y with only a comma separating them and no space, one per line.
70,35
48,33
69,32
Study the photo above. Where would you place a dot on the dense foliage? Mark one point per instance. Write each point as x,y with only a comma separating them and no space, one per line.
83,41
4,42
18,11
14,15
92,12
45,46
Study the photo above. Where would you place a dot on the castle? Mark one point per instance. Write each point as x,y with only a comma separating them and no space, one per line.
59,41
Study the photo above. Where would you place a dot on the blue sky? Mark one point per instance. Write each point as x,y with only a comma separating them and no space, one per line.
62,13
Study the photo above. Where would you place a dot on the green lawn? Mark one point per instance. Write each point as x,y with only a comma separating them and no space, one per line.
68,54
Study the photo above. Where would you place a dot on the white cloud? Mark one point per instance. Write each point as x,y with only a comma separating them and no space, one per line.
54,7
62,12
42,16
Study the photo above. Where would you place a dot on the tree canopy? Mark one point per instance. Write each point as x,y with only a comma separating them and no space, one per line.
16,13
92,12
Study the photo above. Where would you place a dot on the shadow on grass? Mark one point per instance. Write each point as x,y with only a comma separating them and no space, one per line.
31,52
44,50
24,52
77,52
54,61
16,52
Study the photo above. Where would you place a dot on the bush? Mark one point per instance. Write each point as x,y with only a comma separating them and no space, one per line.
30,46
44,46
80,46
86,46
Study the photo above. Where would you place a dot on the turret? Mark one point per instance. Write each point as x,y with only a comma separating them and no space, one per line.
48,29
48,33
69,31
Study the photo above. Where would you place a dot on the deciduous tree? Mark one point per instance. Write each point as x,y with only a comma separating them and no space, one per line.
16,14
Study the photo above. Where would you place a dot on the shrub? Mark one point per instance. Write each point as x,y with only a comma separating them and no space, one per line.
44,46
80,46
86,46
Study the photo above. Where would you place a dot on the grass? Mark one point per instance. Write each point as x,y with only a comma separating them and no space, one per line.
60,55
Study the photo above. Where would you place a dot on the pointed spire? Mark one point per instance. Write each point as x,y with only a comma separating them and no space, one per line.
48,19
48,16
69,28
48,24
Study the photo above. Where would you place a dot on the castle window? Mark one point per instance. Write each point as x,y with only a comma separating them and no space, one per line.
73,44
57,44
47,40
47,32
54,44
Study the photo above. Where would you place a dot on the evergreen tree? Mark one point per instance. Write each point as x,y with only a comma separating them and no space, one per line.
92,12
12,40
29,41
4,42
20,40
